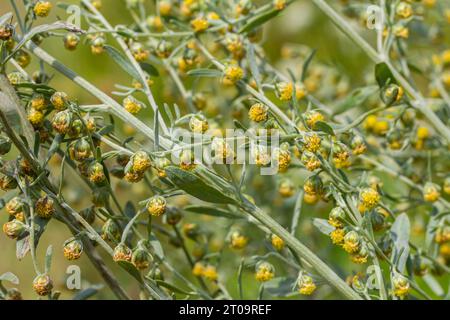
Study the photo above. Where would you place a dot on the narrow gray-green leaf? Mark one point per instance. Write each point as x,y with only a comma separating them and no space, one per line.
48,259
194,186
212,211
10,277
400,231
258,20
5,18
323,226
122,62
205,73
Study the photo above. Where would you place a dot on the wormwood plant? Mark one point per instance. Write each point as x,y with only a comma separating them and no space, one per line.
374,154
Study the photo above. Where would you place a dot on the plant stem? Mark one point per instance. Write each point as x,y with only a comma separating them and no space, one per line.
329,275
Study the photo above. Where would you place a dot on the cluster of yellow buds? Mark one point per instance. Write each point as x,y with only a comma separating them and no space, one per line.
264,271
207,271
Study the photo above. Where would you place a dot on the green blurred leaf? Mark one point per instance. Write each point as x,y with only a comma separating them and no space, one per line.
87,293
323,226
150,69
355,99
280,287
206,73
194,186
324,127
48,259
212,211
258,20
156,245
10,277
174,288
5,18
400,232
122,61
383,75
22,247
131,269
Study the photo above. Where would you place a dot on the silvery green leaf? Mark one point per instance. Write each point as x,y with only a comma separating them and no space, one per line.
174,288
48,259
87,293
10,277
400,232
383,75
433,284
252,63
156,245
324,127
5,18
212,211
280,286
122,62
258,20
195,186
306,64
208,73
323,226
22,247
150,69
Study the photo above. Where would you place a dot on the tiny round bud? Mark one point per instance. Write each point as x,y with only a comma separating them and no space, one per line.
14,206
237,240
8,183
45,207
42,8
173,216
35,117
96,173
286,188
312,117
313,185
80,150
88,214
306,285
210,273
122,253
258,112
277,242
352,242
157,206
132,105
111,231
336,216
59,100
140,161
369,198
14,228
43,285
73,249
431,192
199,24
401,285
233,73
6,32
62,121
140,257
71,41
264,271
198,124
139,52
